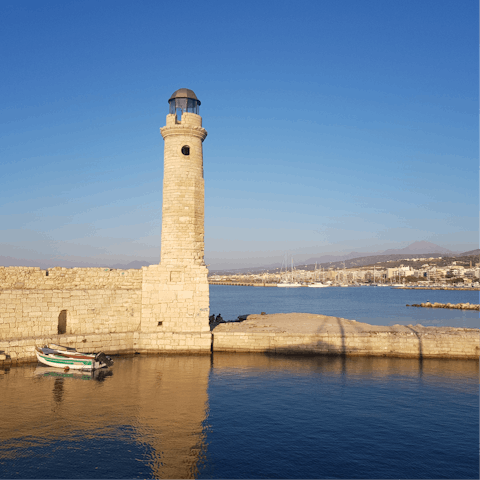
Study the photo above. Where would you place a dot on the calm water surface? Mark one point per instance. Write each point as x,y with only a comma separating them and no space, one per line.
374,305
243,416
254,415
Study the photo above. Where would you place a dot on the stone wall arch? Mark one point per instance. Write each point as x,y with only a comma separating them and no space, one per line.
62,322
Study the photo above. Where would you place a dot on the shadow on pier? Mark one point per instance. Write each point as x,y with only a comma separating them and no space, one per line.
420,347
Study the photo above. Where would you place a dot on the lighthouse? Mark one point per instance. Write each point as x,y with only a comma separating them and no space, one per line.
183,183
175,293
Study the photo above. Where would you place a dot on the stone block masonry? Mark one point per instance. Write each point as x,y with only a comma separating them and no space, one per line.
301,333
36,302
183,191
153,310
175,307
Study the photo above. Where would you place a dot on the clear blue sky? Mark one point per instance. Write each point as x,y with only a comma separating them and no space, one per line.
333,126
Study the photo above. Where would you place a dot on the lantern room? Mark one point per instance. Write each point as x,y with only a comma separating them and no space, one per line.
183,100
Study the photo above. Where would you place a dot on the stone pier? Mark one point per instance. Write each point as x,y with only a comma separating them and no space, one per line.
308,334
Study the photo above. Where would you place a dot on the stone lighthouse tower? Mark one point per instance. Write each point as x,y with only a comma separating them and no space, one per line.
175,295
183,185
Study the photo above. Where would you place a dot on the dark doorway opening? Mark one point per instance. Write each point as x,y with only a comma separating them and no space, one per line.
62,322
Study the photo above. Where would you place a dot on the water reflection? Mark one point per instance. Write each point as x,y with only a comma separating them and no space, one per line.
148,416
372,367
98,375
172,407
158,403
58,390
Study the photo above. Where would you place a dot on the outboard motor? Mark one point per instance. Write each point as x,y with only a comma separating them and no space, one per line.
102,358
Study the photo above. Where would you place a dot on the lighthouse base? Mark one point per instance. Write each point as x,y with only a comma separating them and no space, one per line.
175,308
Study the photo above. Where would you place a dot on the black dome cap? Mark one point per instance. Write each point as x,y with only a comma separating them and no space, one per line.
184,93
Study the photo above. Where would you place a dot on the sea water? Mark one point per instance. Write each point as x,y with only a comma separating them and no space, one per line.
243,416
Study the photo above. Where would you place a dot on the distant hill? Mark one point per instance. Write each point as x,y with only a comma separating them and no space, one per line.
45,264
418,248
357,259
374,259
370,259
471,252
131,265
414,250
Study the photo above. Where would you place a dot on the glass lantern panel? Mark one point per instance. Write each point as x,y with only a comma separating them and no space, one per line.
180,105
192,105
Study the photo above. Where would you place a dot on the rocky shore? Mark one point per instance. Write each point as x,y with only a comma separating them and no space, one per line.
458,306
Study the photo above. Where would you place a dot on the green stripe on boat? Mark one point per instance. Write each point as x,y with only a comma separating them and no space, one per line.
65,361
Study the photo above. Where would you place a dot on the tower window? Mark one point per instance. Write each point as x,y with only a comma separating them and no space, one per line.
186,150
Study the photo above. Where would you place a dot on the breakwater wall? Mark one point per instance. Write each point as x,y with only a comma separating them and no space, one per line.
409,345
300,333
412,344
41,303
457,306
22,350
296,334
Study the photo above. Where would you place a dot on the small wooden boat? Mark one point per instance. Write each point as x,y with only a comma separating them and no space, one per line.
69,358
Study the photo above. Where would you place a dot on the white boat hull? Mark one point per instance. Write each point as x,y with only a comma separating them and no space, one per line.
72,360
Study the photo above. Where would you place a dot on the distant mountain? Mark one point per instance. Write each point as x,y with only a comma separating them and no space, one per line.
337,258
134,264
418,248
45,264
471,252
